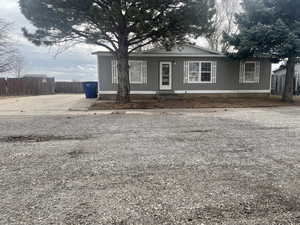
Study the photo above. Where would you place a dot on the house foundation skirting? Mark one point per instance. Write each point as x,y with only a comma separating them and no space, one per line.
185,94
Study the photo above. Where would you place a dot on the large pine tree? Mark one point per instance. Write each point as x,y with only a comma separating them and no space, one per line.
121,26
270,27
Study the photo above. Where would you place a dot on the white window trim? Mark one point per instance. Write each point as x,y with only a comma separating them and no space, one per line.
255,71
200,66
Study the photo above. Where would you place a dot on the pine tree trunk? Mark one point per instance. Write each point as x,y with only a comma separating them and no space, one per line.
289,80
123,95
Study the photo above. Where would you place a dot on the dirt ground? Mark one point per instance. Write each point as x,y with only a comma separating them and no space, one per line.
195,103
39,105
172,167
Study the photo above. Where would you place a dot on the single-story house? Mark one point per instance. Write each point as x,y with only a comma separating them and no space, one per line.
186,71
278,80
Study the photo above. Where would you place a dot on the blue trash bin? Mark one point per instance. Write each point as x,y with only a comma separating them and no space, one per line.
90,89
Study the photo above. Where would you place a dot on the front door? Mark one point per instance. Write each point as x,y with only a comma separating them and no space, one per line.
165,75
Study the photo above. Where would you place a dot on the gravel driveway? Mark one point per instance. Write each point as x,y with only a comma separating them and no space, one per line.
240,166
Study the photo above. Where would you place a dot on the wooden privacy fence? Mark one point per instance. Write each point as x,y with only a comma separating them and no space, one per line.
27,86
278,83
37,86
69,87
3,90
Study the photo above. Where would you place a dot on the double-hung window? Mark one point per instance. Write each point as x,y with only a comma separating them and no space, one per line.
137,72
199,72
206,70
194,72
250,72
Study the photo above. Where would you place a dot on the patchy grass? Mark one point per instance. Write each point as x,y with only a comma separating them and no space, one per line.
204,102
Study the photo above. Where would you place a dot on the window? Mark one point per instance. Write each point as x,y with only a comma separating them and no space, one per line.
206,72
199,72
194,72
136,72
250,72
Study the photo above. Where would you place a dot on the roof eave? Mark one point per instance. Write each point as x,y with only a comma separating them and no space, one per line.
160,55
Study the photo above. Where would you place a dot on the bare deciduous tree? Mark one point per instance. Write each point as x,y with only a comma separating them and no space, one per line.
224,22
7,51
19,65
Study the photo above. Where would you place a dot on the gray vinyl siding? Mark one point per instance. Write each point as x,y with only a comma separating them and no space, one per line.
187,51
227,74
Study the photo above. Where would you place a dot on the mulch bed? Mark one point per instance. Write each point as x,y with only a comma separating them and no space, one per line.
195,103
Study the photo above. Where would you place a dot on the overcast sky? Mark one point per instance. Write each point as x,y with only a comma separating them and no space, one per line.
75,64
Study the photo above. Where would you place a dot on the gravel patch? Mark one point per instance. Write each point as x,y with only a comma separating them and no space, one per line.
233,167
37,138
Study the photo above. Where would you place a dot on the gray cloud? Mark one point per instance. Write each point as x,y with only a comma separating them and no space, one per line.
74,64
